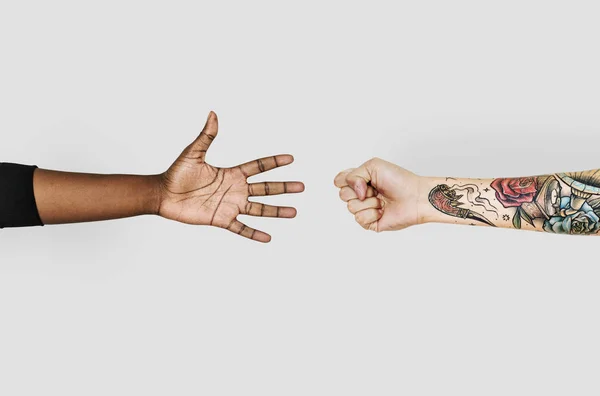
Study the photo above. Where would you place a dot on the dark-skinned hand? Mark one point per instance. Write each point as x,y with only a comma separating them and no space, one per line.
195,192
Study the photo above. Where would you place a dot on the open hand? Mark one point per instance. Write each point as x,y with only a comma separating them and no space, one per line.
381,196
194,192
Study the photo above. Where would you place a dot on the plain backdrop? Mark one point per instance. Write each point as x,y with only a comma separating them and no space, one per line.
145,306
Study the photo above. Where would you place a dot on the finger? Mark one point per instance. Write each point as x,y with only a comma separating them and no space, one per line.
242,229
259,209
274,188
340,179
208,134
358,179
356,205
265,164
347,193
367,217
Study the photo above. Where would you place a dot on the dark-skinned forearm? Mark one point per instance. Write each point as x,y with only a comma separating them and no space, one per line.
64,197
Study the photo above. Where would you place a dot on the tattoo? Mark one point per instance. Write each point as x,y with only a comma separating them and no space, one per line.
473,196
564,203
446,200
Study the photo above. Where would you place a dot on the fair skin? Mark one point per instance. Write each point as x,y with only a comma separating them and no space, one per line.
385,197
191,191
381,196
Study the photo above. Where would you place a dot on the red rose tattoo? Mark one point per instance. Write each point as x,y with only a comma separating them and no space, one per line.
516,191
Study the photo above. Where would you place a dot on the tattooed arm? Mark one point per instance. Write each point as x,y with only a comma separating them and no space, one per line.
190,191
385,197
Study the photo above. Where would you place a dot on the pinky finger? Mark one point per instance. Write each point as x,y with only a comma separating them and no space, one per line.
366,218
237,227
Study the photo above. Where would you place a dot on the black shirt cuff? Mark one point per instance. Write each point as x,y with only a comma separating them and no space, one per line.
17,200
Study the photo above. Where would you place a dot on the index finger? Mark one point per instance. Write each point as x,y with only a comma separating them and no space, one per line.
265,164
359,179
340,179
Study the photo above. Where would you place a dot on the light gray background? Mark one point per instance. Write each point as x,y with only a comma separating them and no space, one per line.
147,306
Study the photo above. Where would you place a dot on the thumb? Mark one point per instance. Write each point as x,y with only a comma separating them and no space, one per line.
358,180
208,134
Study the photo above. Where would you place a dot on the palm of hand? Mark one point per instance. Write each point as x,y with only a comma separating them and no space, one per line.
199,193
195,192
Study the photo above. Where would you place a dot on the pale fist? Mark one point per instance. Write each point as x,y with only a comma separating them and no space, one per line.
381,196
194,192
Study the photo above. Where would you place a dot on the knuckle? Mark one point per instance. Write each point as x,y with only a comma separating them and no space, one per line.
374,162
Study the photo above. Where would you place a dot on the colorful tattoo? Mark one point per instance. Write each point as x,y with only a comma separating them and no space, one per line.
565,203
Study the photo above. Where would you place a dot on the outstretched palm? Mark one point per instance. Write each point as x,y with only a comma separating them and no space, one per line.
195,192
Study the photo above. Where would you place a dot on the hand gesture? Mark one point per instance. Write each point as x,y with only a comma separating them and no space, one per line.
381,196
194,192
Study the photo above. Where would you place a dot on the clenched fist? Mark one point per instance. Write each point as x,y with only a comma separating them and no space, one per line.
381,196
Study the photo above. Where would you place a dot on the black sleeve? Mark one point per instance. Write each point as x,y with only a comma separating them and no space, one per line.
17,201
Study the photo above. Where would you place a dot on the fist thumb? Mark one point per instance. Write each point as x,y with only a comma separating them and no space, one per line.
359,185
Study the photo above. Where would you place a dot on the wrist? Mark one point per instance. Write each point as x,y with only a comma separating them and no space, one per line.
422,200
426,212
153,194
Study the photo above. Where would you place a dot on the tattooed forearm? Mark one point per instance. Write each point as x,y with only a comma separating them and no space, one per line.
563,203
446,200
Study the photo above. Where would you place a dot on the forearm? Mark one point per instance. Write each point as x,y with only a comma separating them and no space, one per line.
64,197
559,203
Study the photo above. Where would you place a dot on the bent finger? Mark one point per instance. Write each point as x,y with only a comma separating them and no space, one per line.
340,178
347,193
368,216
356,205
